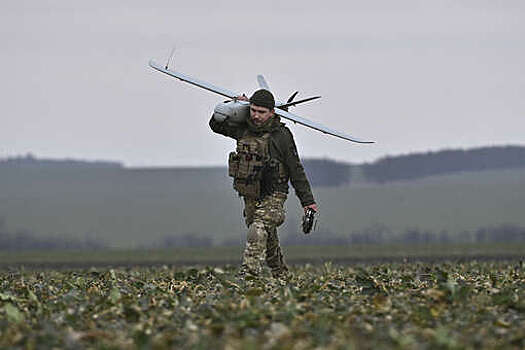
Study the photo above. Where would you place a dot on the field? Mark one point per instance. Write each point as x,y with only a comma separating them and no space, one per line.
467,305
134,208
216,256
466,295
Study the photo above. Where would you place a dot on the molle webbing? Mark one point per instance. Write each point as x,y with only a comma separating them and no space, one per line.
250,166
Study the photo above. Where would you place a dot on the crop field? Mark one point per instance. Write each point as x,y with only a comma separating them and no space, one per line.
446,305
217,256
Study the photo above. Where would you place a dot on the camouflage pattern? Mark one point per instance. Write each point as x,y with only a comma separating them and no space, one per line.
262,243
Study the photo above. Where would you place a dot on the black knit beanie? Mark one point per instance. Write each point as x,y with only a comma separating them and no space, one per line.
263,98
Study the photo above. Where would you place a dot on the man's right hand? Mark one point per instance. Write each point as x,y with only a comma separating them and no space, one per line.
311,206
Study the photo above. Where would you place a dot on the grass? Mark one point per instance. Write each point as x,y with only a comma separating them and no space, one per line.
471,305
293,254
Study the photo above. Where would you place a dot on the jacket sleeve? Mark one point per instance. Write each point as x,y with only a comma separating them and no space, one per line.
298,177
225,128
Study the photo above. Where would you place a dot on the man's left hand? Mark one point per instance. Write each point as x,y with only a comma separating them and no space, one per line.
311,206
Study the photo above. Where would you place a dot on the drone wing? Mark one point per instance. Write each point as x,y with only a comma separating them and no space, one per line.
317,126
230,94
194,81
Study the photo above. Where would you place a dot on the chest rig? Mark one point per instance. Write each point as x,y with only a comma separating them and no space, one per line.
254,172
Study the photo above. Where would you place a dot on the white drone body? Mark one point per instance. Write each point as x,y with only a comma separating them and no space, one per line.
235,112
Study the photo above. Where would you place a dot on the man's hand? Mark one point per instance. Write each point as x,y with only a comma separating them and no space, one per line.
311,206
243,97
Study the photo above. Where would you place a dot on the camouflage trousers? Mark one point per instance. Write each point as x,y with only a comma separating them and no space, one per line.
262,243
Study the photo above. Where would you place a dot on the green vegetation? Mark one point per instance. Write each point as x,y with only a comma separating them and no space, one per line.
126,208
232,255
406,306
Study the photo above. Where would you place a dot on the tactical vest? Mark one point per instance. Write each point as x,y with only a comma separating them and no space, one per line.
254,172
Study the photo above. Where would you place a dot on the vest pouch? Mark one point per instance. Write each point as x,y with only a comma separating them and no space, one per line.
250,166
233,164
277,173
245,167
249,161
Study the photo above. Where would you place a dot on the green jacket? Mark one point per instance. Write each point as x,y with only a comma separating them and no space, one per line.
282,147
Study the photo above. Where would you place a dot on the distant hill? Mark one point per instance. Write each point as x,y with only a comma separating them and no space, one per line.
322,172
30,161
330,173
72,204
419,165
326,172
55,208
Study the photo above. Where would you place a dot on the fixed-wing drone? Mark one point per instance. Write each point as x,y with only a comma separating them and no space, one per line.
237,110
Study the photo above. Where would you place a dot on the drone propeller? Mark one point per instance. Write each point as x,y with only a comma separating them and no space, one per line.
290,99
290,103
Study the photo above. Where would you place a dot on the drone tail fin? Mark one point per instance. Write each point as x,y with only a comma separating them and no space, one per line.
262,82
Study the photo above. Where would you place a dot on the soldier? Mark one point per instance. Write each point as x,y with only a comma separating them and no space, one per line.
265,160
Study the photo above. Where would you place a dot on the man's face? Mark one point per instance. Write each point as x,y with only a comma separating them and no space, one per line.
260,114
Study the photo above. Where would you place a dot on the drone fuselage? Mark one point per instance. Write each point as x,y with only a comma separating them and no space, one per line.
235,112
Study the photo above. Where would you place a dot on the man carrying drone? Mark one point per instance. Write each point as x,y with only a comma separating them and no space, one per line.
265,160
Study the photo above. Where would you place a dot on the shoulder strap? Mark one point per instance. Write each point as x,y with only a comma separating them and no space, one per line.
278,137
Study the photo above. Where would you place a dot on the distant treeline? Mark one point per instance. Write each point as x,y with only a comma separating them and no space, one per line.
414,166
326,172
24,240
378,234
31,161
375,234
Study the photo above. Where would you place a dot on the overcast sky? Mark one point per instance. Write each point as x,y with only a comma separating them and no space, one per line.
412,75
